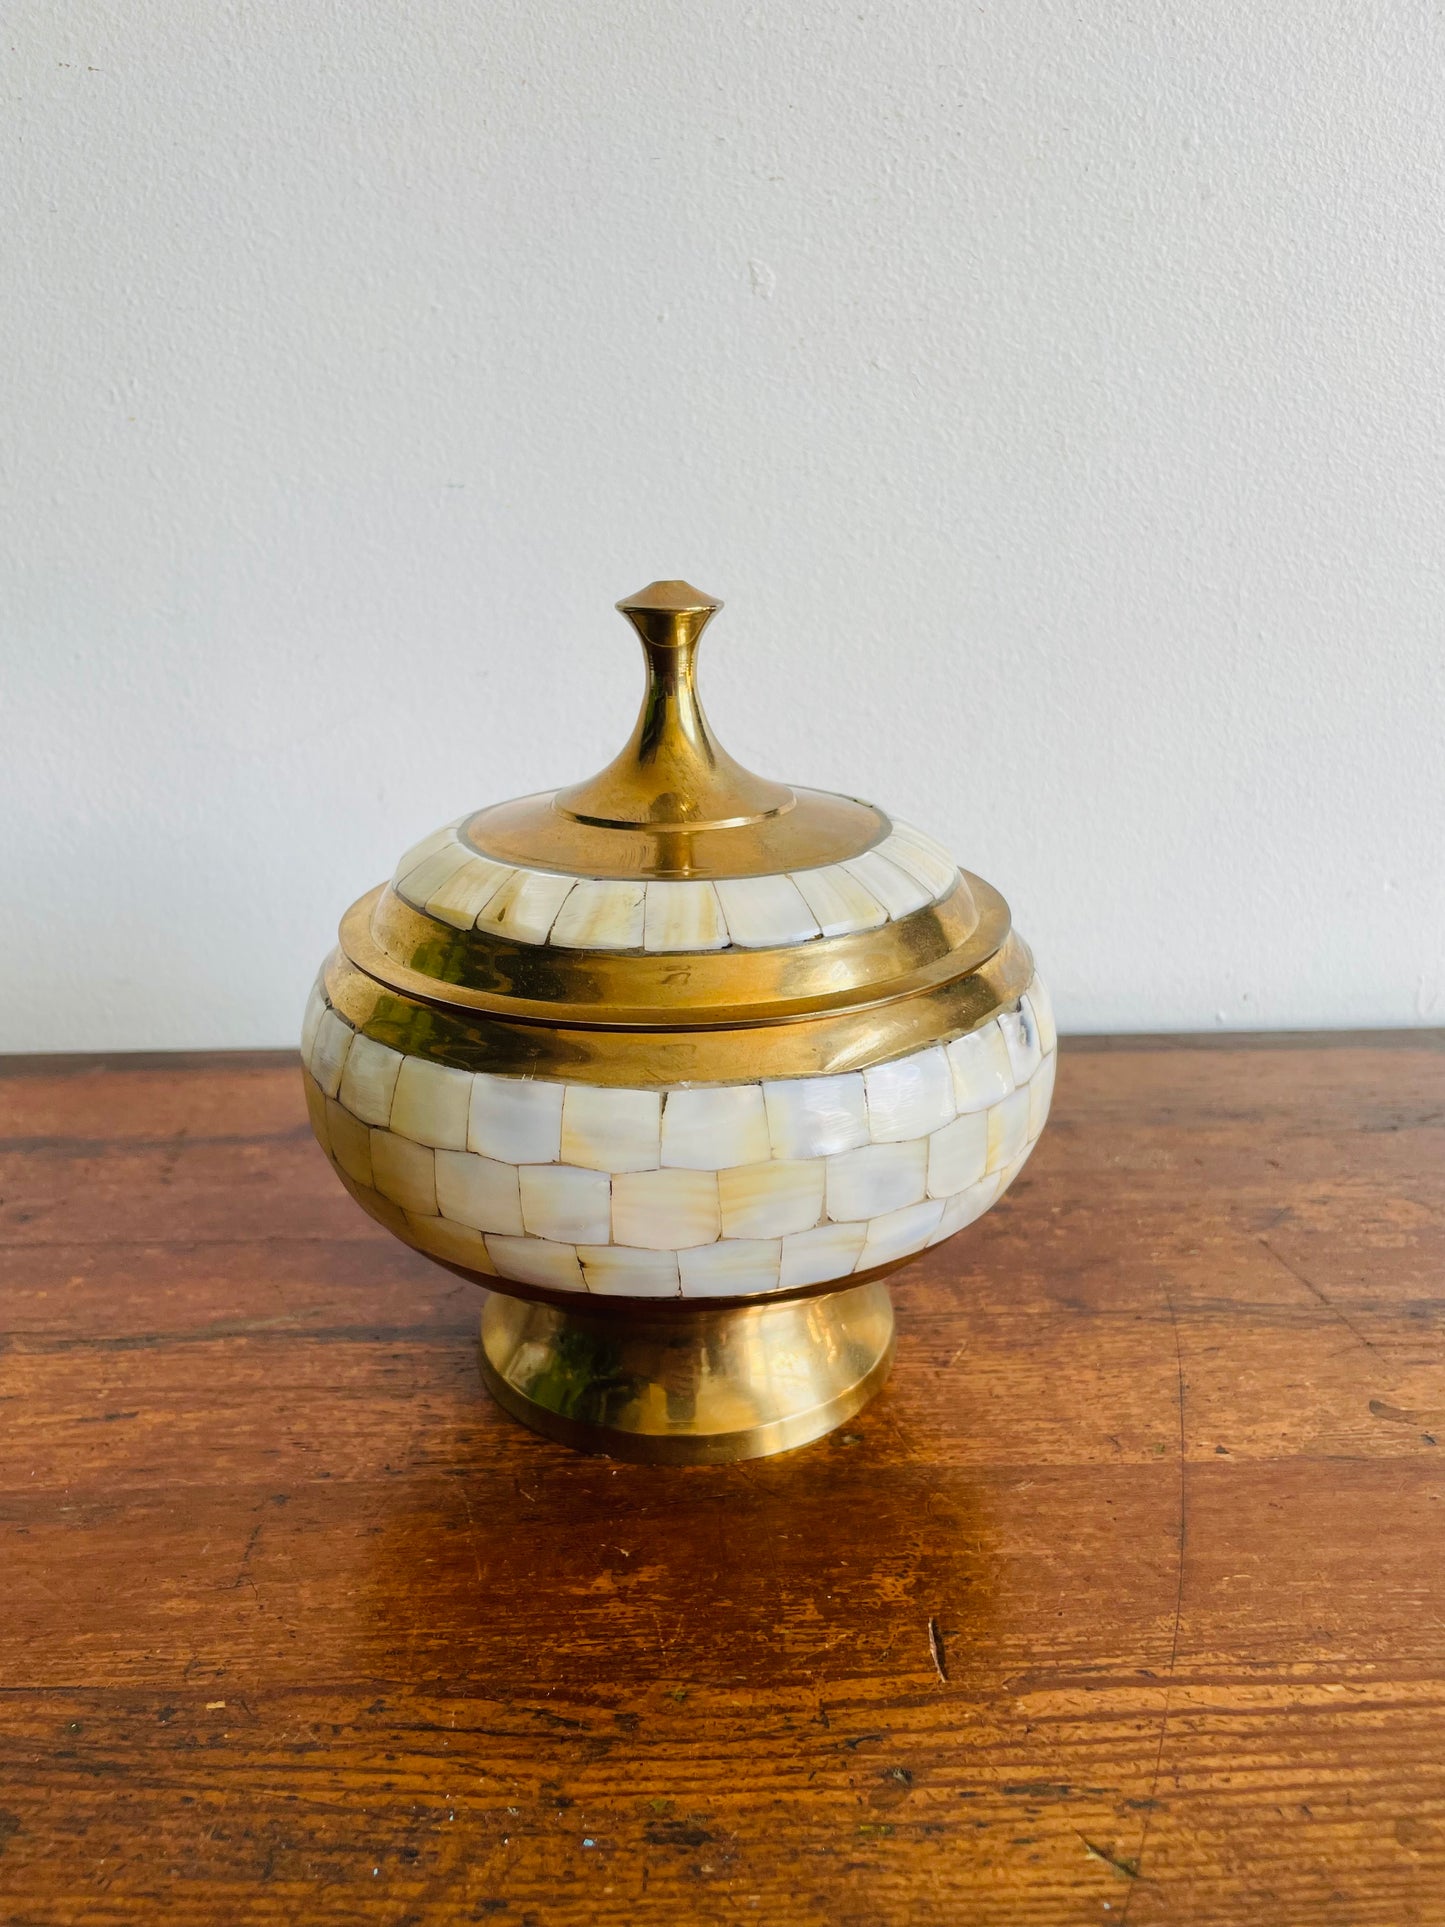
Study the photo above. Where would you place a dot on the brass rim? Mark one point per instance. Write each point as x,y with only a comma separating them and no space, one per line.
813,1045
538,983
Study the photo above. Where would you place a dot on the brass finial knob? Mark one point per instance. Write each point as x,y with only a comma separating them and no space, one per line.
673,773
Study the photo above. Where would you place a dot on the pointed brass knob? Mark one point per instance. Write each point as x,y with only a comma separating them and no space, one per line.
673,773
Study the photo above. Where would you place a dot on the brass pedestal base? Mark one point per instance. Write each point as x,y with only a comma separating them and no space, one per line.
688,1385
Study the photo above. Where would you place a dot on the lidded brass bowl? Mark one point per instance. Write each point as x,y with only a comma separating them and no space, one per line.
679,1064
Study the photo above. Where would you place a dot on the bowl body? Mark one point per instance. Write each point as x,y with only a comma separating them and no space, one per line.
679,1190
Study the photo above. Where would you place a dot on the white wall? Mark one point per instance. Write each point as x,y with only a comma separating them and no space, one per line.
1053,391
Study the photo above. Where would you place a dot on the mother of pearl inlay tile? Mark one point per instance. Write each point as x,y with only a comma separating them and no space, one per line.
765,910
1042,1005
515,1118
770,1200
467,892
526,906
895,889
350,1142
628,1271
567,1202
433,871
611,1130
958,1154
838,901
1008,1129
537,1261
369,1080
982,1073
328,1051
430,1104
683,916
601,915
459,1244
404,1172
877,1178
909,1097
812,1117
481,1192
1021,1037
665,1210
710,1129
895,1234
813,1257
733,1269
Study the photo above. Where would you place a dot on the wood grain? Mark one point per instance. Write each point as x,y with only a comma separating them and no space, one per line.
1123,1603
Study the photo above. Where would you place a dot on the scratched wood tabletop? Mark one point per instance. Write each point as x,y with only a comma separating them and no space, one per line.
1125,1601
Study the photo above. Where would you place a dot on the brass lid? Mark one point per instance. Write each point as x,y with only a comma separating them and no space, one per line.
675,890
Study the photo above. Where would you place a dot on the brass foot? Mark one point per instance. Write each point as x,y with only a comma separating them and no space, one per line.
688,1385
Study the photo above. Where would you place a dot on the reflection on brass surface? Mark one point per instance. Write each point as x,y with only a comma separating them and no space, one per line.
808,1046
674,803
385,936
702,1386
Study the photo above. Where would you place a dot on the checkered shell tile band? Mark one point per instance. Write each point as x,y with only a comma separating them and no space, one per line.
691,1192
445,878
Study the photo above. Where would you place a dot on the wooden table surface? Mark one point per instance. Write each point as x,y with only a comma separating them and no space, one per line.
295,1627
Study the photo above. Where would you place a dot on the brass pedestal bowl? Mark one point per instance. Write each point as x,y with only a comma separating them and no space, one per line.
679,1064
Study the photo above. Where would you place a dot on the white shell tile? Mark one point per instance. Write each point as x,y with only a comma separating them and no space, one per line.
515,1119
1041,1092
709,1130
536,1261
838,901
1043,1008
328,1051
1008,1130
910,1096
526,906
428,876
430,1104
404,1172
601,915
480,1192
981,1070
316,1102
684,916
762,911
350,1142
467,892
770,1200
665,1210
315,1010
625,1271
897,1234
1021,1036
875,1179
442,839
565,1202
736,1268
814,1257
457,1243
962,1209
369,1080
895,889
609,1129
921,859
958,1154
814,1117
